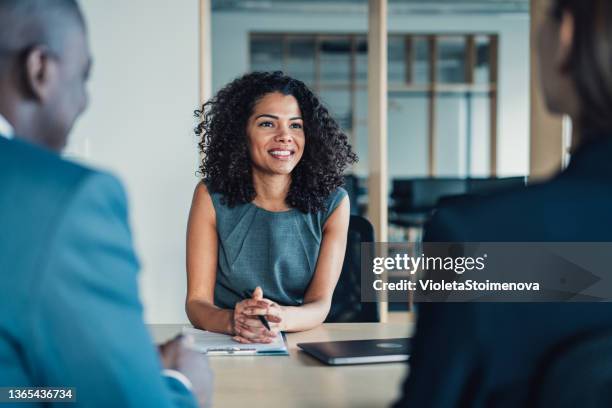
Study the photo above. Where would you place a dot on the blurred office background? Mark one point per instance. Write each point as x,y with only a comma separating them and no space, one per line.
458,117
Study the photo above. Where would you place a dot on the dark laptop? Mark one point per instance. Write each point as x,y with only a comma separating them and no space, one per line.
359,351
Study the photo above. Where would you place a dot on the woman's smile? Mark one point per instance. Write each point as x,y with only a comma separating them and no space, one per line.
282,154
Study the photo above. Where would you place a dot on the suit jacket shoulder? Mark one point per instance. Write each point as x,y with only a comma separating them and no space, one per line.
510,338
69,291
564,209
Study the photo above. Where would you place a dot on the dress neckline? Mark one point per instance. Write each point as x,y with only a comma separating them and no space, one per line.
289,211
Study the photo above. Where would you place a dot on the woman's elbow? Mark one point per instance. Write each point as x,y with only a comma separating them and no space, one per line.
189,311
323,306
194,309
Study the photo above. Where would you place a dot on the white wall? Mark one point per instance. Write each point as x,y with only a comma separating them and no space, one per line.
143,91
231,58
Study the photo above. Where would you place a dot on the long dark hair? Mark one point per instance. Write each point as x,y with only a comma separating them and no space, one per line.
590,61
226,164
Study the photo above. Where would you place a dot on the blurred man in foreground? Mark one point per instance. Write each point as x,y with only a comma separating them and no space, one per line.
69,309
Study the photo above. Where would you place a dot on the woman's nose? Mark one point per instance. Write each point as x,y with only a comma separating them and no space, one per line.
284,135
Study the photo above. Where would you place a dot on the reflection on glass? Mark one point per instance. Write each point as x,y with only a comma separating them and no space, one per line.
335,60
420,68
361,60
301,59
451,60
479,140
462,118
451,135
482,65
408,130
266,53
360,132
396,66
339,104
462,134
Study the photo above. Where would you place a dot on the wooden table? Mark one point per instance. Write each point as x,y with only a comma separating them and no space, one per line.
298,380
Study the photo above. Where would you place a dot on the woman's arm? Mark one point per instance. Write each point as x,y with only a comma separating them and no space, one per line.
202,247
318,297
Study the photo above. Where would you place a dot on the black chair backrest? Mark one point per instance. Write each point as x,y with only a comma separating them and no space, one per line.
346,302
577,373
351,185
423,194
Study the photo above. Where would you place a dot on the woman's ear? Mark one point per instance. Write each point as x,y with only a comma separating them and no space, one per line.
566,41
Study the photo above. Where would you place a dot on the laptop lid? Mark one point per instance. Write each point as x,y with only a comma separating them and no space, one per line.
359,351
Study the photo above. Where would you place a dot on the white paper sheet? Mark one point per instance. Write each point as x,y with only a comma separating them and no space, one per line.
216,343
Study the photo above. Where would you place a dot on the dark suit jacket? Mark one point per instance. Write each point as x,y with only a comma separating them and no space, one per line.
483,355
69,309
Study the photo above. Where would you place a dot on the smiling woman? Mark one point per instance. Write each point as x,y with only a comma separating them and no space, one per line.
269,217
275,134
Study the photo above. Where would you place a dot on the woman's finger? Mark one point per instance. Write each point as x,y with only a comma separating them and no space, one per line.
244,331
258,293
255,303
274,311
251,322
273,332
240,339
250,332
258,336
274,319
241,307
253,311
244,340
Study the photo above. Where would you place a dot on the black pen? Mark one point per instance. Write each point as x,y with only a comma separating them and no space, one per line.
262,319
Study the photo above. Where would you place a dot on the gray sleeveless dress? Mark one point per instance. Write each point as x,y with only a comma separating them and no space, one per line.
275,250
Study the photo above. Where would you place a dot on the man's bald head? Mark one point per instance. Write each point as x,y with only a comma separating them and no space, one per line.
27,23
44,64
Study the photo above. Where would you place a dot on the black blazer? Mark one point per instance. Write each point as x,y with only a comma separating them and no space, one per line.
484,355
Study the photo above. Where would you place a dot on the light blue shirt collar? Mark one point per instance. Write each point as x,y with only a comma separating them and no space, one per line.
6,129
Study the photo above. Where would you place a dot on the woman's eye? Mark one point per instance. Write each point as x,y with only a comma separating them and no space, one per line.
296,126
266,124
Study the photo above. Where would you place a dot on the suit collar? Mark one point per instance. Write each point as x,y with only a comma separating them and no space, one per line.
594,158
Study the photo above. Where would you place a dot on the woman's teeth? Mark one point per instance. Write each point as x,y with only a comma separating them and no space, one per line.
280,153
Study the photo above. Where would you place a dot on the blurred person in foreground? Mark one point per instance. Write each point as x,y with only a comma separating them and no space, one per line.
70,314
489,355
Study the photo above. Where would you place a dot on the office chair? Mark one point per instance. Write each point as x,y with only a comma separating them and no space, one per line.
346,302
356,191
578,373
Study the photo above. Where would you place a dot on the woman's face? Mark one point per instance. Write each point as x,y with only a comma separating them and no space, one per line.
275,134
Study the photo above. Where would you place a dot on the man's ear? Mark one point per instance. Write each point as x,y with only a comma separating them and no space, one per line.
566,41
40,73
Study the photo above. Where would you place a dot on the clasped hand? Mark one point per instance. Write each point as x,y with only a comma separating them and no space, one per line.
247,326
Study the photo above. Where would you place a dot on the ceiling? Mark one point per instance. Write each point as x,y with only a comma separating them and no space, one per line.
360,6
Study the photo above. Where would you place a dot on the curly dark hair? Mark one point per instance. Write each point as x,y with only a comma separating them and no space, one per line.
226,165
